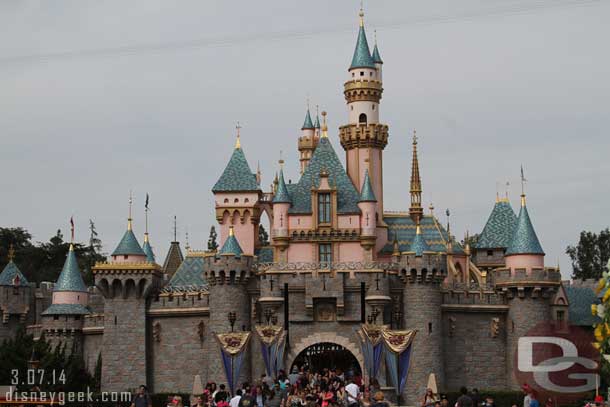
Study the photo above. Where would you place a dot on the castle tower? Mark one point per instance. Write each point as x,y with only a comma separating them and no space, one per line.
496,236
368,206
125,282
227,274
237,194
15,294
416,211
174,256
422,270
528,286
63,321
308,140
364,138
281,205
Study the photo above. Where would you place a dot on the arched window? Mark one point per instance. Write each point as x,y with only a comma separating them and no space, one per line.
226,200
362,118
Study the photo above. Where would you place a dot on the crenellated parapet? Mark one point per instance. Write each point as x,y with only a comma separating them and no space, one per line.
362,135
427,269
534,283
228,270
363,90
127,280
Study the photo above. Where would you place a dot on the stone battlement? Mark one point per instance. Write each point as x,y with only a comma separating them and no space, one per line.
548,276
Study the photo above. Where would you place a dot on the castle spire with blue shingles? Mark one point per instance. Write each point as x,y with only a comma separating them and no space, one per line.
231,246
362,54
524,240
70,278
147,248
419,245
129,245
500,227
281,194
11,275
376,57
367,194
237,176
308,124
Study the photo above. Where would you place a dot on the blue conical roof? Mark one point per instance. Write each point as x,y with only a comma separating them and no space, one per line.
524,240
231,246
376,57
147,248
70,278
419,245
7,277
308,124
281,195
367,194
362,55
237,175
128,245
317,123
500,227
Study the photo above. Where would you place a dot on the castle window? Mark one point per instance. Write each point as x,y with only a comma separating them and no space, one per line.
373,106
324,208
429,328
76,317
361,73
490,253
246,200
226,200
353,74
236,200
362,118
125,257
561,316
325,253
55,317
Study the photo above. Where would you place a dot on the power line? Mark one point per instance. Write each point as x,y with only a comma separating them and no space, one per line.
131,50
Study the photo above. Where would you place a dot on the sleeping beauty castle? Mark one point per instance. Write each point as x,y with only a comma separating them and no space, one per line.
342,283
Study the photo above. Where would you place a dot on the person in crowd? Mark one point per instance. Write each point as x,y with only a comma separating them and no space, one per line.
234,402
380,400
476,397
221,395
534,399
247,398
352,393
526,399
444,400
177,401
142,398
429,398
464,400
259,396
489,402
273,400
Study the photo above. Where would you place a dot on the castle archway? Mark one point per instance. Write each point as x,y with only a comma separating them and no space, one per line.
340,352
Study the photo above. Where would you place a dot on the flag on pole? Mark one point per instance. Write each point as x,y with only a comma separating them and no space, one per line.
72,227
146,204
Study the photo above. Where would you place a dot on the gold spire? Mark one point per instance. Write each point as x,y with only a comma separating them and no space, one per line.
11,253
145,237
418,228
237,142
231,232
361,14
324,126
281,161
416,210
523,181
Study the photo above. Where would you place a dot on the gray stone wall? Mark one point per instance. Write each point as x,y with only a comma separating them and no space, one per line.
474,355
92,347
178,353
124,344
524,314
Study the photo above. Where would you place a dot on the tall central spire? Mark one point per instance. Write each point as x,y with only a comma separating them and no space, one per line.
415,211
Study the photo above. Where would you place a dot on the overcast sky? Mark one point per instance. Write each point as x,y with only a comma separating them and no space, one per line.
97,98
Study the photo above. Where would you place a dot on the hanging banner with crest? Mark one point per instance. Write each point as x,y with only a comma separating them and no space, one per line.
399,346
233,350
371,341
279,351
269,336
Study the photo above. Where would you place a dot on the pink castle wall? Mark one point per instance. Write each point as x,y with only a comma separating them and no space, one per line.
70,297
300,222
302,252
525,261
130,258
346,252
349,221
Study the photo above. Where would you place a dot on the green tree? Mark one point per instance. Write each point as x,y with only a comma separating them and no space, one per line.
590,255
212,243
263,236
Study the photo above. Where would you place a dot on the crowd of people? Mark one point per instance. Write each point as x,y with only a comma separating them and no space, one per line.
328,388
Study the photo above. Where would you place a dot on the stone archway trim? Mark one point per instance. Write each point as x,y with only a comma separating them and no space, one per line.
327,337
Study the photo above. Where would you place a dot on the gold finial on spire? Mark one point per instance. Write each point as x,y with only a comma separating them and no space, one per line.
506,192
431,207
324,126
11,253
231,231
361,14
187,246
130,203
418,228
237,142
281,160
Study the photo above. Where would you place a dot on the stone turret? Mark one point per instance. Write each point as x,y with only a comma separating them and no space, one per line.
126,282
63,321
528,286
15,298
308,140
281,205
237,194
228,274
368,222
